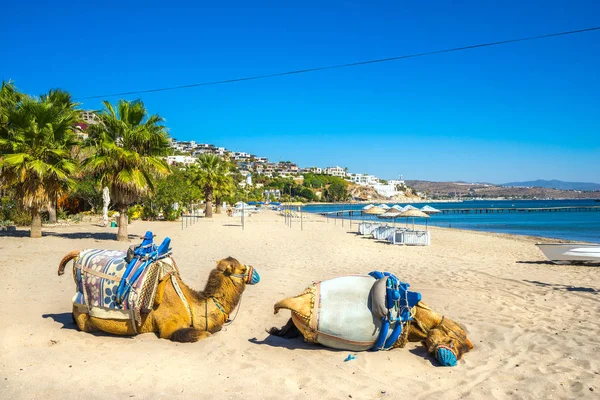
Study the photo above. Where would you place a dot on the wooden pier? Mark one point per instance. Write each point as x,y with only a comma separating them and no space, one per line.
505,210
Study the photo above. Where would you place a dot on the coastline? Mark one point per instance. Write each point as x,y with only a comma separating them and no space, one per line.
531,321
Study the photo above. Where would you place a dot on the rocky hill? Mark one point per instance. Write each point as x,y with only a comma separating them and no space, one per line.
367,193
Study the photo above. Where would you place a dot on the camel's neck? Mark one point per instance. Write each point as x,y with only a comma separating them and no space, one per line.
226,291
427,318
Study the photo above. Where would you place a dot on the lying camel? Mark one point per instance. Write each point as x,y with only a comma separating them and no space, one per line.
445,339
169,316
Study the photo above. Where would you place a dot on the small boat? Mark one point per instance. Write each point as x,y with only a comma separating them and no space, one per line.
569,253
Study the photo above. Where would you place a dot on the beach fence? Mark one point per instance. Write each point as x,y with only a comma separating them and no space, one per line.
191,218
291,211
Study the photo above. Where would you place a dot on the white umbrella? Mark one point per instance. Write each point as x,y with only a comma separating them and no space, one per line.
409,207
430,210
384,206
369,206
398,207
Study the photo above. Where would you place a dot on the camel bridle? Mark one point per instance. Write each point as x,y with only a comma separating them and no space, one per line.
246,276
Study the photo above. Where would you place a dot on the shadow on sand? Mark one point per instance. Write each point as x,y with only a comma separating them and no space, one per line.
290,344
421,351
68,235
299,344
568,288
66,319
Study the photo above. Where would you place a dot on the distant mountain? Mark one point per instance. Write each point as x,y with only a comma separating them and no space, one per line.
554,184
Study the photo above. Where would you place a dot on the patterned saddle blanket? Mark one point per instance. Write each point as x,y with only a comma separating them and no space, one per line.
97,275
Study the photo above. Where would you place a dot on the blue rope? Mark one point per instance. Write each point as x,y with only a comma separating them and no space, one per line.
398,301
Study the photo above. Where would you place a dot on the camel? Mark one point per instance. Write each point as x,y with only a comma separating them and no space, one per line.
445,339
169,317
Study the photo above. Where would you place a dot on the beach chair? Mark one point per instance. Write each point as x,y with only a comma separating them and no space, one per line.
411,238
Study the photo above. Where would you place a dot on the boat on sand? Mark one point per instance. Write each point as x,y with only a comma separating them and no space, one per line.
571,253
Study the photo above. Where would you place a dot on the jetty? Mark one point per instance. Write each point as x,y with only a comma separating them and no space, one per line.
490,210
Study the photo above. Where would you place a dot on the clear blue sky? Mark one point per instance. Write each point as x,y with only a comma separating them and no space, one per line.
515,112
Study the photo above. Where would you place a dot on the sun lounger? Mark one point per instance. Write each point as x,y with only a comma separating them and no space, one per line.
412,238
367,228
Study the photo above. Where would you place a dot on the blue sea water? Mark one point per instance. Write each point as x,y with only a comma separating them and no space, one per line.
577,226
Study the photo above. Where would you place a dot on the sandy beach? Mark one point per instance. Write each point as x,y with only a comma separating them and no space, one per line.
534,325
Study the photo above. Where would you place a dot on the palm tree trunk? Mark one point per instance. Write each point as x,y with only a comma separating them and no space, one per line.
36,223
52,211
208,210
219,206
122,235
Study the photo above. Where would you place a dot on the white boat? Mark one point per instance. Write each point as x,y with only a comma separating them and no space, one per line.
567,253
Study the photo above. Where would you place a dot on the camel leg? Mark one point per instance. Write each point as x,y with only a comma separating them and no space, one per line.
83,321
188,335
288,331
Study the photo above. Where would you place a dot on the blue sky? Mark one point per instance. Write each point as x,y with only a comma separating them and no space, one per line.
506,113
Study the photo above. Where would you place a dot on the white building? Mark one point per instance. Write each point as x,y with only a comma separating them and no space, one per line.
180,160
335,171
312,170
392,188
363,179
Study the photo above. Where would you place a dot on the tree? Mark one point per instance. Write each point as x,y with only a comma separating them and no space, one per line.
337,192
127,153
209,175
170,190
224,188
36,141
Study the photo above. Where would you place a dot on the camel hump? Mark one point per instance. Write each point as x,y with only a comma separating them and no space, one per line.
70,256
300,304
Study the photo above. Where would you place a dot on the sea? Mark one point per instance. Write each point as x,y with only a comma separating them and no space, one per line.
581,226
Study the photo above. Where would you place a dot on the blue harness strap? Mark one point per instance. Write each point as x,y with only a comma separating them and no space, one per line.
148,253
398,299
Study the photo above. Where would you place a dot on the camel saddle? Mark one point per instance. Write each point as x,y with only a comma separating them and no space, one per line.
110,287
358,312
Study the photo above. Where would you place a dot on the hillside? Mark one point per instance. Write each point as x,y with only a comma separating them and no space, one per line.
367,193
445,190
555,184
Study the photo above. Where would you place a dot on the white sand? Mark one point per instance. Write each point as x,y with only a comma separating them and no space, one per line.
535,326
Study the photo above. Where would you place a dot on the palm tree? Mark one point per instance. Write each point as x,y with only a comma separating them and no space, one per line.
36,143
211,176
127,153
224,188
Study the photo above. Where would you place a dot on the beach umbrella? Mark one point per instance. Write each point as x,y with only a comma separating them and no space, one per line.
369,206
398,207
430,210
414,213
384,206
375,210
409,207
391,213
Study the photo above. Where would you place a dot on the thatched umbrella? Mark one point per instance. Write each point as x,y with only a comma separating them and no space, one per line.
375,210
414,214
391,213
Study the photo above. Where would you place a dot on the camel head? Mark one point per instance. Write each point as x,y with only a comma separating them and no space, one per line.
238,272
448,342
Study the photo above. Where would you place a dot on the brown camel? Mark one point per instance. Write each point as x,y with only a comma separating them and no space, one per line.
170,318
434,330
